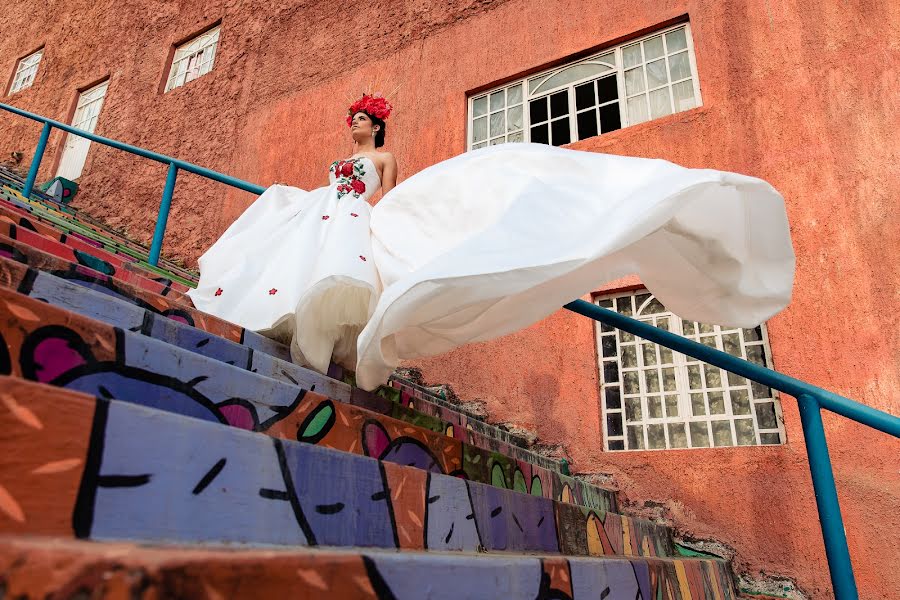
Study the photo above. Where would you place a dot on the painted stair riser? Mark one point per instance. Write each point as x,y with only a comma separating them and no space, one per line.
72,224
105,469
78,251
43,568
72,268
150,372
45,287
145,293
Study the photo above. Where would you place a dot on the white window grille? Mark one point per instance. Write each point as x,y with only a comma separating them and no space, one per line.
87,112
26,71
193,59
653,398
644,79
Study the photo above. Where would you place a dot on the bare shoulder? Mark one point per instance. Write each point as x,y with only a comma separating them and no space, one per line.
387,158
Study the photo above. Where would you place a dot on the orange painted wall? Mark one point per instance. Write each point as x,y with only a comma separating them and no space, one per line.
803,94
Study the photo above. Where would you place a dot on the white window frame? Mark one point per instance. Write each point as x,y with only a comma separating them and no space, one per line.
618,70
87,113
193,59
26,71
683,389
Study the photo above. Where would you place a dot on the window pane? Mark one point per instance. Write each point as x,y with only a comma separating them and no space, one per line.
559,104
676,40
479,129
633,409
623,306
514,117
610,372
722,433
684,95
540,134
770,438
698,407
614,424
740,402
518,136
608,346
744,429
498,123
637,110
477,146
694,377
656,73
609,118
479,106
757,355
699,435
537,110
651,381
677,436
654,407
669,379
634,81
765,415
499,140
613,397
560,132
656,436
649,354
585,96
616,444
653,48
497,101
629,356
573,74
635,437
514,94
716,403
631,55
671,406
713,376
587,124
631,382
607,89
679,67
660,105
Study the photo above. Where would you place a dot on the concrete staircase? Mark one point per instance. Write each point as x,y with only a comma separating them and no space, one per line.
149,450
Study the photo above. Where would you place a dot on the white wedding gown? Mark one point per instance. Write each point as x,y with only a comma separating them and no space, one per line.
489,242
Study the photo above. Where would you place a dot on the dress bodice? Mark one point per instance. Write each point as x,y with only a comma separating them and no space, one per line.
357,177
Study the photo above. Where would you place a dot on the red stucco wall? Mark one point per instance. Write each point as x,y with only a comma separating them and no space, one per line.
802,94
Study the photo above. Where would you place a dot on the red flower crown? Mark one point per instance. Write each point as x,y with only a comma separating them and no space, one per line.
374,105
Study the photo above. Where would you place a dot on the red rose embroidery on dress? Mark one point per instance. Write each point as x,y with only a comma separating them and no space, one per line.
347,169
363,258
325,217
273,291
354,215
358,186
219,292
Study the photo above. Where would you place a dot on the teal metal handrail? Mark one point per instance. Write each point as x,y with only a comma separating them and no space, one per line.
174,166
811,399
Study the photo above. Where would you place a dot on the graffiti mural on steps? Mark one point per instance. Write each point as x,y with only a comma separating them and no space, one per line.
123,471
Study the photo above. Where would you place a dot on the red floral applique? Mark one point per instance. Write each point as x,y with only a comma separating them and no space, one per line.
349,175
273,291
362,258
354,215
219,292
325,217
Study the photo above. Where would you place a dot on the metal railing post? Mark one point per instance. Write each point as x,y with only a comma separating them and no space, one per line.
163,216
836,550
36,160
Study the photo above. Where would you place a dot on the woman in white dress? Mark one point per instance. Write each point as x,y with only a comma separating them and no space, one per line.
296,265
487,243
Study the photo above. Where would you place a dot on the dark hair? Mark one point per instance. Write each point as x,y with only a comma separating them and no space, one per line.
379,135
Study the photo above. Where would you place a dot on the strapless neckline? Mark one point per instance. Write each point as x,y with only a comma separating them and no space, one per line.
374,166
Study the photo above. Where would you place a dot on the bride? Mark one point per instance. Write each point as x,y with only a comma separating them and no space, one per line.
484,244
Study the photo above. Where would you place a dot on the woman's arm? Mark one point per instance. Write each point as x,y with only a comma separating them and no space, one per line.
388,173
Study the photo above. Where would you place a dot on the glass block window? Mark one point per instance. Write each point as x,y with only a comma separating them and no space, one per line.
645,79
656,399
26,71
193,59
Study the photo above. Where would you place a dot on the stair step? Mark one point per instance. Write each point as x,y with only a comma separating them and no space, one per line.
106,469
59,568
76,250
118,362
253,353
